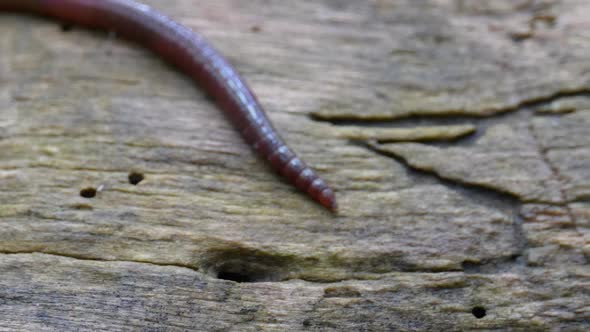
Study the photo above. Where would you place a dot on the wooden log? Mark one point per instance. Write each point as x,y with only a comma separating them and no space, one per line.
456,133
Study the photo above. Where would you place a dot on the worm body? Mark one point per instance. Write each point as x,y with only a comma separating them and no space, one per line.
194,56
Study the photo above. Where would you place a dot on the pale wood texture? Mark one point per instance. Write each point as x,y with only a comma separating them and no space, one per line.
456,133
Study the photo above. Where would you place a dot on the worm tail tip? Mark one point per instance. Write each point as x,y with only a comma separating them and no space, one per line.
327,199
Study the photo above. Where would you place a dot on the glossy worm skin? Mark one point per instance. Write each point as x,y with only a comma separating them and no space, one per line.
194,56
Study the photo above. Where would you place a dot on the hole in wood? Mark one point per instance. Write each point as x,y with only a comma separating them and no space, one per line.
135,178
240,264
479,312
240,271
234,276
88,192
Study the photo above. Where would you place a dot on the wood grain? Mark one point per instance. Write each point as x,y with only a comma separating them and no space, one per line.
459,153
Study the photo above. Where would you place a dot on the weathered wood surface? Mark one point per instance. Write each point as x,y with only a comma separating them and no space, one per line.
457,134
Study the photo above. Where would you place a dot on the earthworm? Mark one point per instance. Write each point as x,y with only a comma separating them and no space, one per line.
193,55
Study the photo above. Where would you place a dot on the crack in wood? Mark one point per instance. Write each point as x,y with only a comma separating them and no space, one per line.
510,202
505,201
496,265
372,276
558,176
84,258
451,116
506,197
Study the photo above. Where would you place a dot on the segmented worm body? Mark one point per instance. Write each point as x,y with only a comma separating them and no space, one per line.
194,56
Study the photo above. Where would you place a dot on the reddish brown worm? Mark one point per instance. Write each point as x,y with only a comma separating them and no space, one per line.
194,56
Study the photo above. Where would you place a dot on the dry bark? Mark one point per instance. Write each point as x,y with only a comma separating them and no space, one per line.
456,133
